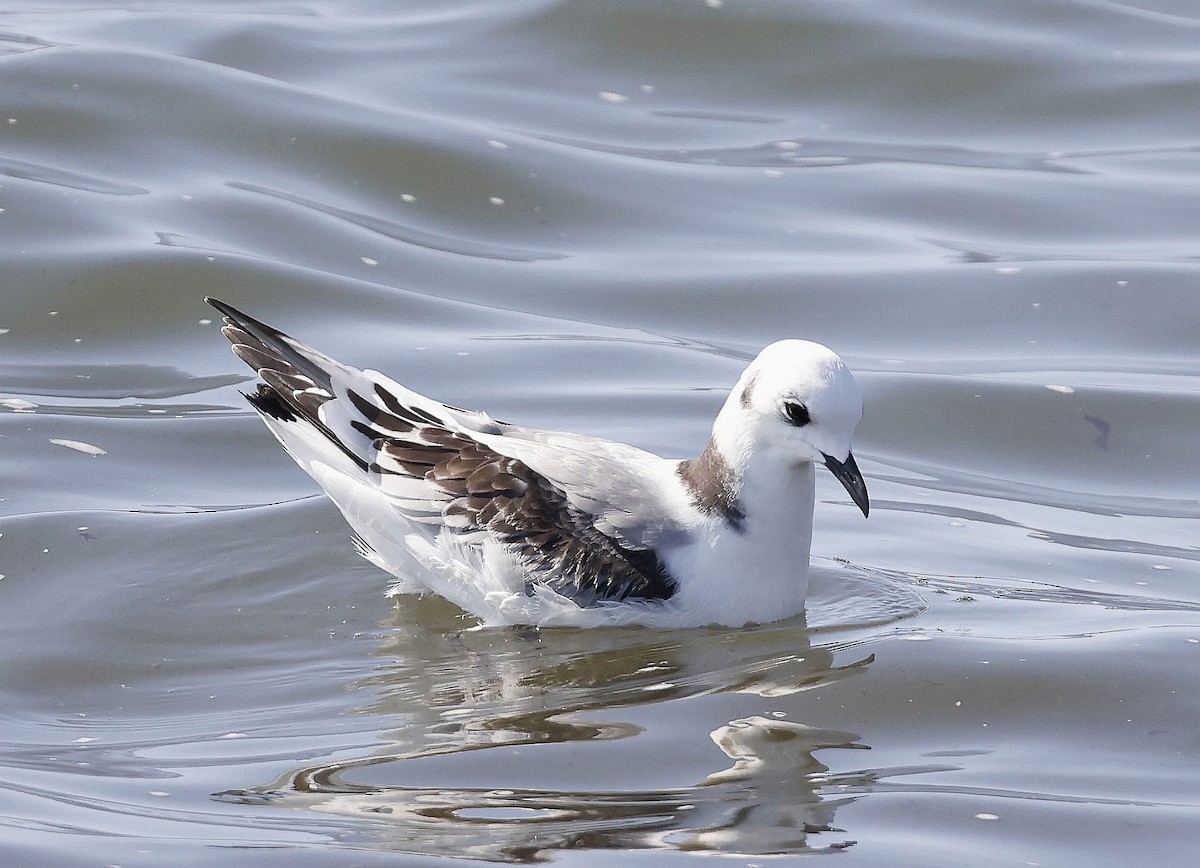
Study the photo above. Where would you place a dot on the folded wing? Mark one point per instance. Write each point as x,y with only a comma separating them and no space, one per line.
449,468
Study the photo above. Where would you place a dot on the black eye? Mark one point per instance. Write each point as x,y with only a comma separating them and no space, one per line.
797,414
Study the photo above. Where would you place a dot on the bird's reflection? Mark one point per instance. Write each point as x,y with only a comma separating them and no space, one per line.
504,690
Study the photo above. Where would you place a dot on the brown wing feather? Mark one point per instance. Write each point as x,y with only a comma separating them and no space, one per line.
558,545
476,488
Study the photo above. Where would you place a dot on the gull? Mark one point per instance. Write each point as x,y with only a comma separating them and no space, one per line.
517,525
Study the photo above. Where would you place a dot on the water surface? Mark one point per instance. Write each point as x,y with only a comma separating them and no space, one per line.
587,215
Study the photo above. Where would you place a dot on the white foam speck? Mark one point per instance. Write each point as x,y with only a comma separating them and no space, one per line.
18,404
495,200
1007,270
407,197
1062,390
79,446
83,739
497,144
612,97
1160,567
366,260
986,817
205,321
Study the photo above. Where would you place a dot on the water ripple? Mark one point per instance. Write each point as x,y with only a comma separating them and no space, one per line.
408,234
810,153
67,179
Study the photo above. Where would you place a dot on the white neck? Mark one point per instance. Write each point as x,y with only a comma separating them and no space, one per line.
758,574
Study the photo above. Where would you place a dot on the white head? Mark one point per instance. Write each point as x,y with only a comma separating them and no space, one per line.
797,402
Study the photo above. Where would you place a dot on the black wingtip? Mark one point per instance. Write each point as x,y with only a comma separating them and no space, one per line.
270,403
232,315
219,305
266,333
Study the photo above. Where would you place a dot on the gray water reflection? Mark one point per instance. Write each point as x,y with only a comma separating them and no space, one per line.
504,690
107,382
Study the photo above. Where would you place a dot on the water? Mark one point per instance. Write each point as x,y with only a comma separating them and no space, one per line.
587,215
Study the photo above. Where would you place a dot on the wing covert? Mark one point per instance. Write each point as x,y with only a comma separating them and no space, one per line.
445,466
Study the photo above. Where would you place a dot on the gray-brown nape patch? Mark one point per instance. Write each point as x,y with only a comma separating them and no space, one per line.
709,480
748,390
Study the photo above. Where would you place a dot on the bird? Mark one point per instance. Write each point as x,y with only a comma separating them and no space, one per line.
522,526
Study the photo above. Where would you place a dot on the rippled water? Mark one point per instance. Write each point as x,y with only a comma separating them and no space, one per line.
586,215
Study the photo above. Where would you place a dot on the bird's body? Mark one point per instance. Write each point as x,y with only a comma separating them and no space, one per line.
522,526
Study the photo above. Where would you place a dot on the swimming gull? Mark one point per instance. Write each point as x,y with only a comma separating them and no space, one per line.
521,526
